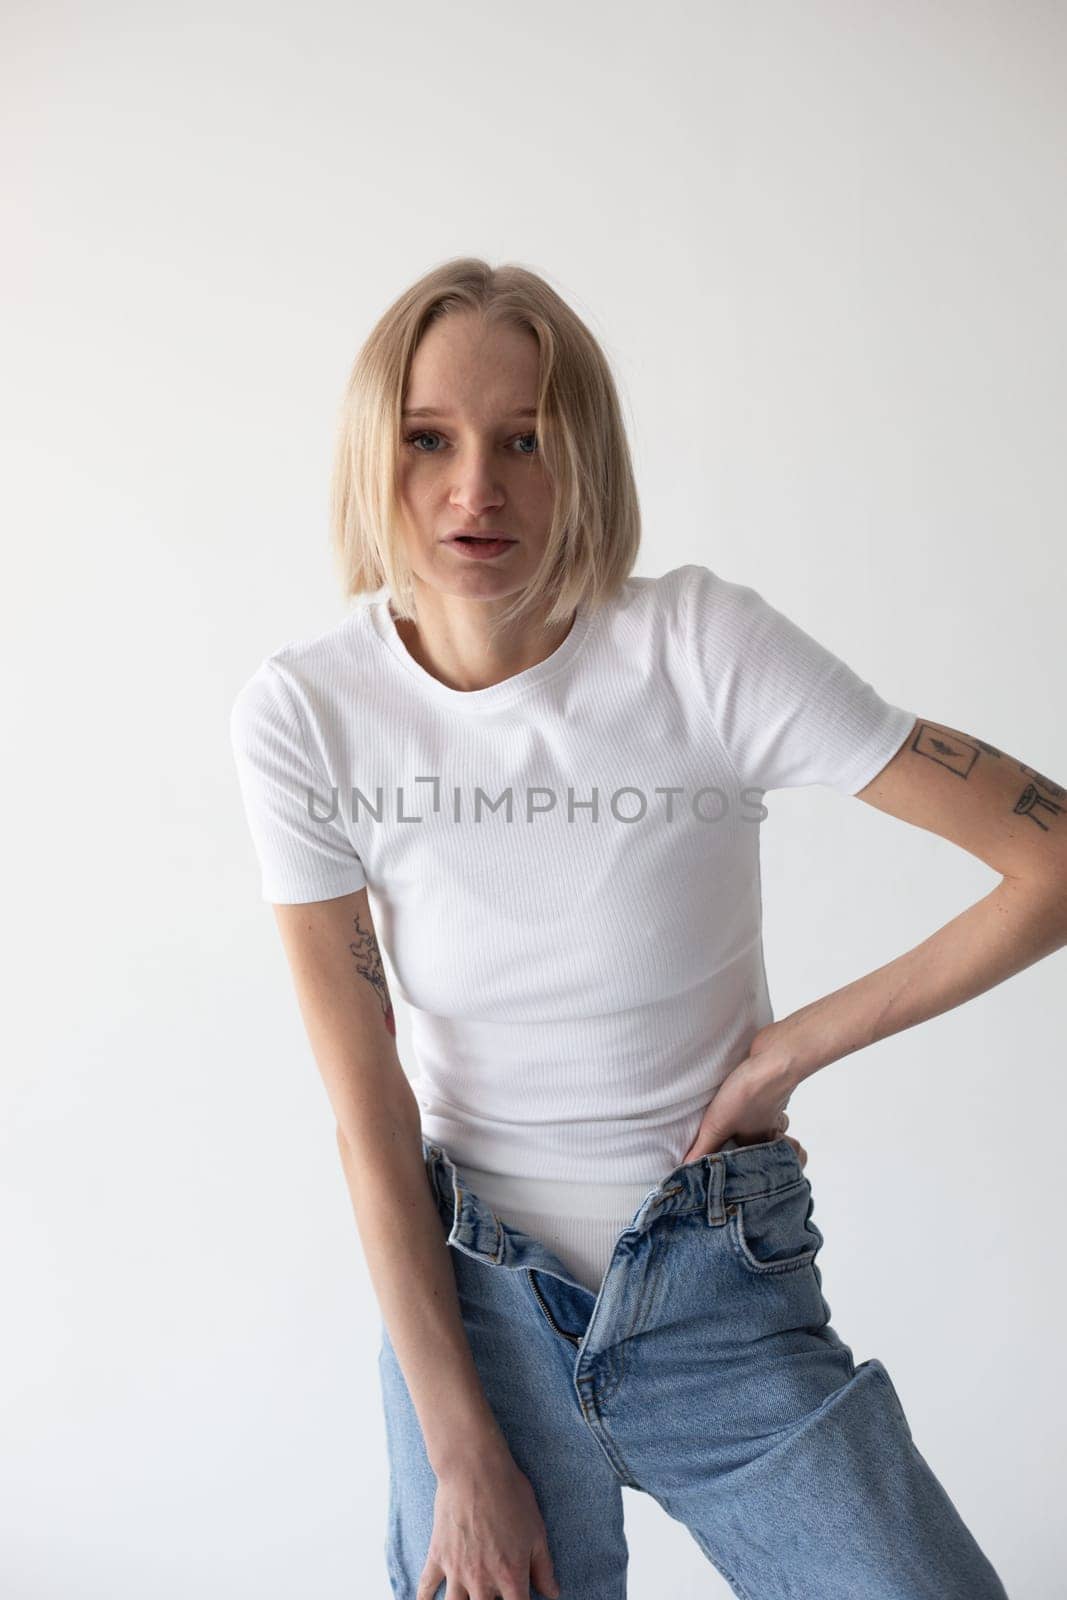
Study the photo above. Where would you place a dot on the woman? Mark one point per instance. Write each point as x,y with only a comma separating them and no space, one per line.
544,777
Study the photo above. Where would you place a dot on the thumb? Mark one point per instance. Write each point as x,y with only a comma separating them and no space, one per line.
708,1139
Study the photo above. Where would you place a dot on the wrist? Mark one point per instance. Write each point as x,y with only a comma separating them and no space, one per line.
474,1445
781,1056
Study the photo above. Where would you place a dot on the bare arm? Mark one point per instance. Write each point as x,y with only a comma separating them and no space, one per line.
991,804
1006,814
341,988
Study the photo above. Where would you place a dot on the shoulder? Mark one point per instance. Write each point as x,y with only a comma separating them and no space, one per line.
671,595
689,611
709,615
702,588
303,674
693,586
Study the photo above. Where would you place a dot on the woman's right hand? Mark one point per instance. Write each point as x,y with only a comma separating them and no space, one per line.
488,1536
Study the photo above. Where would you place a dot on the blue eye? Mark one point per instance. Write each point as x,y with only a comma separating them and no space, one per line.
430,433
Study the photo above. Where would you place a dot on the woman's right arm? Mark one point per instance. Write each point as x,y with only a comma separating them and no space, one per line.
343,996
488,1533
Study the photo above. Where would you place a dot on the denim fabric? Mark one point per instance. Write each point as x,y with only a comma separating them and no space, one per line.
706,1373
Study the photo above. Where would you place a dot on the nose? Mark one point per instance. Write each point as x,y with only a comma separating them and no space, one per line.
475,490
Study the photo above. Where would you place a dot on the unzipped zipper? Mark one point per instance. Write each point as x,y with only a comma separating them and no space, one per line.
573,1337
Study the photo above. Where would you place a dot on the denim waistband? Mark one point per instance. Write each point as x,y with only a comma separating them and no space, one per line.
734,1173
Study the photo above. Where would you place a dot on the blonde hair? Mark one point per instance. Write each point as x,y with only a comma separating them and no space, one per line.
595,529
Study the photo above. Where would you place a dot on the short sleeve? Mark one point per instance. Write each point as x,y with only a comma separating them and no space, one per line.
788,710
297,829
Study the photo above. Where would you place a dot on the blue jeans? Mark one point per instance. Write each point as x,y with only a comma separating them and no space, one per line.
706,1373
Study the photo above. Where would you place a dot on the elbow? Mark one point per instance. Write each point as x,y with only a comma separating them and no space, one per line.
396,1121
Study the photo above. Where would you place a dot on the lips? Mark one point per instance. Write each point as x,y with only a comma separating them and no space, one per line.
483,547
479,538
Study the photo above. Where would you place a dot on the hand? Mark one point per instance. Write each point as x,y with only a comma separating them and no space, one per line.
488,1536
749,1104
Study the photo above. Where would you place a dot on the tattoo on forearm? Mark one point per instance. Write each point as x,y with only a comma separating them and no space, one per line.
959,752
369,966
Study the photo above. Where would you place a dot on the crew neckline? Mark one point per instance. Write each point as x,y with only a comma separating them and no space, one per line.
494,694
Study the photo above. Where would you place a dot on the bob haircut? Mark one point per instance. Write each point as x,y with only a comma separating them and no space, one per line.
595,529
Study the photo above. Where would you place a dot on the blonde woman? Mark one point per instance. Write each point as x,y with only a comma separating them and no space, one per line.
534,781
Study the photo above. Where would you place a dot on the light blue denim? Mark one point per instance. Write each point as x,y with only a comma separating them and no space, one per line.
706,1373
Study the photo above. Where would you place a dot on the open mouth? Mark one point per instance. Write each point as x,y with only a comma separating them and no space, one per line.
481,547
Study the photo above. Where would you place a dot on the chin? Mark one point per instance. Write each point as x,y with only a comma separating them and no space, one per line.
476,578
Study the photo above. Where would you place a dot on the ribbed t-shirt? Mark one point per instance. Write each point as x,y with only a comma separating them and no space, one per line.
563,868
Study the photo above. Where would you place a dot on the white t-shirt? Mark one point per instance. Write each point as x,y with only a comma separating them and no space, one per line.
563,868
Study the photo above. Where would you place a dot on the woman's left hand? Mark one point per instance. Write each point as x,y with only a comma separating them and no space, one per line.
749,1105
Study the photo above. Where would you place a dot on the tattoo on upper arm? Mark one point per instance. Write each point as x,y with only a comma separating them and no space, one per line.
949,749
369,966
959,752
1046,783
1031,798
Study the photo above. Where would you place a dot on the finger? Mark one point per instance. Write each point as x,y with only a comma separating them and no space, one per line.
542,1573
430,1581
802,1154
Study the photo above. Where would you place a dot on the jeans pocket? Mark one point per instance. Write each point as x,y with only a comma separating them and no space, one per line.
774,1231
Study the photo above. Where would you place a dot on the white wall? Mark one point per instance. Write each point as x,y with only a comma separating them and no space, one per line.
823,246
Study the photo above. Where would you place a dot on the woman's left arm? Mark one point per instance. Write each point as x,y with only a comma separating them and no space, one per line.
1002,811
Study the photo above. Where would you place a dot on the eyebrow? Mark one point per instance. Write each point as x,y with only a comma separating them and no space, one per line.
434,411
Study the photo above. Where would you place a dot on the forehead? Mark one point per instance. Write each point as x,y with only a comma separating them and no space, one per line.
465,367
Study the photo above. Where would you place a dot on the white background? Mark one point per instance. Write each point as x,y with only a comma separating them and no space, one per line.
823,246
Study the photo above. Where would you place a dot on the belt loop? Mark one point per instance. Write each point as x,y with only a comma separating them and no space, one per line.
716,1183
431,1160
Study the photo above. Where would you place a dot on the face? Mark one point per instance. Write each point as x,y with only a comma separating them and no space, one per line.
469,461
